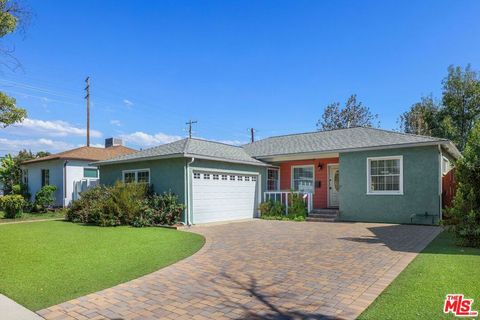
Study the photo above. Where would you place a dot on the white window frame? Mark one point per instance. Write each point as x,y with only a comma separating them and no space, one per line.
449,165
136,174
89,178
385,192
303,166
278,180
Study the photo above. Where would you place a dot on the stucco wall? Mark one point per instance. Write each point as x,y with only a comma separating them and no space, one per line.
56,178
420,186
165,175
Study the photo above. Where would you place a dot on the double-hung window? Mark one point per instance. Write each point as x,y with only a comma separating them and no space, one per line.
303,178
45,177
138,176
385,175
273,182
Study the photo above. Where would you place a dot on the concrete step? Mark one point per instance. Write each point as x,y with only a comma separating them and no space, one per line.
322,215
315,219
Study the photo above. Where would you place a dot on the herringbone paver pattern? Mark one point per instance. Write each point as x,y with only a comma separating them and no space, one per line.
264,270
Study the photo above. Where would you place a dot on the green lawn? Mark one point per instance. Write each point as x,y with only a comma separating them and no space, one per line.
34,216
45,263
419,291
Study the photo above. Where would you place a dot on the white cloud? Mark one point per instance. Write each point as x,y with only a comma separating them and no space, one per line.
148,140
143,139
117,123
128,103
56,128
42,144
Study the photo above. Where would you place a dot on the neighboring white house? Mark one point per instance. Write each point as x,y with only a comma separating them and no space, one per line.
70,171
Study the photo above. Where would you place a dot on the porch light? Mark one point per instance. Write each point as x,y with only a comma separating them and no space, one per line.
320,166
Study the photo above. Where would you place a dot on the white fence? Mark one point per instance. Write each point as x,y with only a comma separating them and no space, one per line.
83,185
282,197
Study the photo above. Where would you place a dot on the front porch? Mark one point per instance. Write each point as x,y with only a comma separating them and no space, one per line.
317,180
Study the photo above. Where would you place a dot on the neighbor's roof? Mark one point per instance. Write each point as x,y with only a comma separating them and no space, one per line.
334,141
190,147
86,153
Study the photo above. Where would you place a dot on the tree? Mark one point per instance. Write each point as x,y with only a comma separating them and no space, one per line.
422,118
461,104
464,215
12,17
353,114
7,173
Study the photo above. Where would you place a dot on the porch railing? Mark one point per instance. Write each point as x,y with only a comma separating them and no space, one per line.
282,197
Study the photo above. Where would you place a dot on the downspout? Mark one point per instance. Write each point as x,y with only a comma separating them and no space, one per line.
64,182
187,190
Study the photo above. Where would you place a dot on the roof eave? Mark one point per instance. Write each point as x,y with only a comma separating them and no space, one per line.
112,161
259,163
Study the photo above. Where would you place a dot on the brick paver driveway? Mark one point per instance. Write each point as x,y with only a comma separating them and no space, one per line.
265,269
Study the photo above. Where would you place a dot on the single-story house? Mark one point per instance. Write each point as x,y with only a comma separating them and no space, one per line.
70,171
361,174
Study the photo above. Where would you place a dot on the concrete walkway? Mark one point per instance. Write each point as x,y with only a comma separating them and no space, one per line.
265,270
10,310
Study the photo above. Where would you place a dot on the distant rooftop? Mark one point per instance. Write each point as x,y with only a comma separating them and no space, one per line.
86,153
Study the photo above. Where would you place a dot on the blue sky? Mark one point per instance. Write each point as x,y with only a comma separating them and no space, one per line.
230,65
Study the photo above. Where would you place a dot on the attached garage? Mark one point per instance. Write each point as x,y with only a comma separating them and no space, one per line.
223,196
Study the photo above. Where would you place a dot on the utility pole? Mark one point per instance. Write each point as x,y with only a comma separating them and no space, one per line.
252,135
189,123
87,97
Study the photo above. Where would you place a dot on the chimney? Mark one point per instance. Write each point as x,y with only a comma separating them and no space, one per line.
113,142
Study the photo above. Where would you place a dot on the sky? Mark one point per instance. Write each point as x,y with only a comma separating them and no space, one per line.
230,65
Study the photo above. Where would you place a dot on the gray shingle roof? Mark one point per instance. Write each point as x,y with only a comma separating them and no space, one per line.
190,147
333,141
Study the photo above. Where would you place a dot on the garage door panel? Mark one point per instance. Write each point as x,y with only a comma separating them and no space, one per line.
222,200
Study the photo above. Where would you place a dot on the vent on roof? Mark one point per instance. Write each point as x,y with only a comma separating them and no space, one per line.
113,142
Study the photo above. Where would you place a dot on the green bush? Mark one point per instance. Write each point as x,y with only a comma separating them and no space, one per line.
464,215
13,205
272,208
297,206
45,198
125,204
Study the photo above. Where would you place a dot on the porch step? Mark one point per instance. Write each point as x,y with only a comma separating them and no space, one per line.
323,215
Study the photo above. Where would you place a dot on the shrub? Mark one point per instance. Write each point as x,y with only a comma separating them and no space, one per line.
13,205
297,206
44,198
464,215
272,208
163,209
125,204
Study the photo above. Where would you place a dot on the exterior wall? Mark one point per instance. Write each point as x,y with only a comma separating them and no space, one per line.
421,187
56,178
74,174
165,175
320,196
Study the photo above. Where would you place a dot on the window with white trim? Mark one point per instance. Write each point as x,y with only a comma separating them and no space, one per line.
254,178
206,176
240,178
232,178
215,177
224,177
303,178
196,175
273,181
385,175
247,178
25,177
138,176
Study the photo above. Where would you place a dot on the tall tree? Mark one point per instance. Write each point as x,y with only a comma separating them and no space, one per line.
12,17
422,118
461,104
353,114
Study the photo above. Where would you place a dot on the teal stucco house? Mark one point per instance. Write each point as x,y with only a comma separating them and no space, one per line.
355,174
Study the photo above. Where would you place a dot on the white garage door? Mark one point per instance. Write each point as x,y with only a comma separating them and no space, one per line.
220,196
